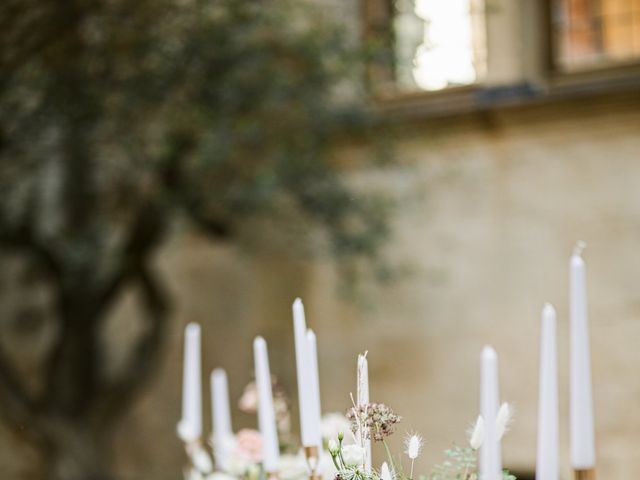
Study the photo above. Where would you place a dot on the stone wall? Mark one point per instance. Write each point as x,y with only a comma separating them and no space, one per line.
489,207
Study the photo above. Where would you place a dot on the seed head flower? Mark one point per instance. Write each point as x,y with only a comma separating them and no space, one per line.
503,420
413,445
476,434
377,420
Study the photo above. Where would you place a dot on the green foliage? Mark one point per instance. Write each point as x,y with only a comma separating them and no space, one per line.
119,116
222,110
460,462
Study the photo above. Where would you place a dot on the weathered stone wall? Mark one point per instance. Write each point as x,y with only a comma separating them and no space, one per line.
489,207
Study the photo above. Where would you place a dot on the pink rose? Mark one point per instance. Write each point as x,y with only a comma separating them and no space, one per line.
249,444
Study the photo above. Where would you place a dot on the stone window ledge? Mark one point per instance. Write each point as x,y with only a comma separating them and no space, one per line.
479,98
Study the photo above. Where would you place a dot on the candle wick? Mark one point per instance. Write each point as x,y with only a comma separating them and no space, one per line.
580,246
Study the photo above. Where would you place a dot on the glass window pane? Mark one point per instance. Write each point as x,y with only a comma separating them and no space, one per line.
589,33
438,44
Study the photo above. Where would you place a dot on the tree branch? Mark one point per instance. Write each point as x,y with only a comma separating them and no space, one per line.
117,396
17,408
145,235
182,145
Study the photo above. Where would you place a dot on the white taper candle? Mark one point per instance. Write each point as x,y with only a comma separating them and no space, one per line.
266,412
490,457
363,399
221,416
547,466
581,402
302,374
314,390
191,422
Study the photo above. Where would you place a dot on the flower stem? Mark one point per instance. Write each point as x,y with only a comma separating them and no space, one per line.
393,465
411,474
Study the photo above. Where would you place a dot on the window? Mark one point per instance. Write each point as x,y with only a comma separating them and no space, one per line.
592,33
431,44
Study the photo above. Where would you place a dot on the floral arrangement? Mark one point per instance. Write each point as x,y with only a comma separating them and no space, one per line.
243,451
376,421
344,440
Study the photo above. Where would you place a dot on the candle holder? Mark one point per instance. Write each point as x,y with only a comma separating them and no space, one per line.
312,454
585,474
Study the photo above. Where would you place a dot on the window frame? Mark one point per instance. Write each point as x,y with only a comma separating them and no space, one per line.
383,92
548,84
600,69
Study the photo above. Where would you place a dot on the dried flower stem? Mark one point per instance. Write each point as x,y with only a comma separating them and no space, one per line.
389,456
465,475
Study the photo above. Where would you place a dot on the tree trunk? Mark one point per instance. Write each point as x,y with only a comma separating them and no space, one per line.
75,452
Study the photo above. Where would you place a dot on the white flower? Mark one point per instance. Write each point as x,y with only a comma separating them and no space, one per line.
292,467
193,474
503,420
223,447
220,476
413,445
476,435
333,446
327,468
238,464
201,460
353,455
385,473
186,432
253,473
334,423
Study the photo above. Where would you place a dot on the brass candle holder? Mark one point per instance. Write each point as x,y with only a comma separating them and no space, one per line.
312,454
585,474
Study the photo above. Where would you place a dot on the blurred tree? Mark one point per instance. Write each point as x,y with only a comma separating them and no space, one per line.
117,116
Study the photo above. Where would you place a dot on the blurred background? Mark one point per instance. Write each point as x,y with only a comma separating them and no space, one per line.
417,171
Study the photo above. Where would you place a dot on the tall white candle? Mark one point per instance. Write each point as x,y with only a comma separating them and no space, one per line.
302,372
221,415
191,422
266,412
363,399
581,402
314,398
547,466
490,457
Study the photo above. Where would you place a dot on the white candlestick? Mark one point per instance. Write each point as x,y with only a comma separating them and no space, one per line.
221,415
314,398
547,466
490,457
266,412
191,423
363,399
302,371
581,402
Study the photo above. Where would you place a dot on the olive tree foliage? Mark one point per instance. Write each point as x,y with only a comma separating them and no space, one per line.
116,118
